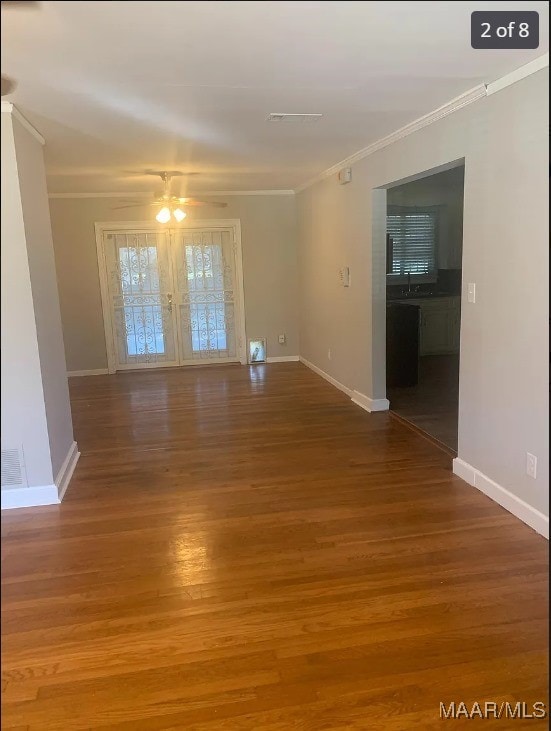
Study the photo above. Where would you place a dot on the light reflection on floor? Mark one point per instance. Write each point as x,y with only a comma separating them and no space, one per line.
257,375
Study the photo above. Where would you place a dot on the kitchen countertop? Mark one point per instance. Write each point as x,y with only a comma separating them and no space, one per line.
421,296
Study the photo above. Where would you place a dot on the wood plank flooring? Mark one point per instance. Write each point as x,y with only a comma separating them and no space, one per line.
433,404
244,548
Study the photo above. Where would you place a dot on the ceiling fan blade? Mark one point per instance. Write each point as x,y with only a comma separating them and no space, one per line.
197,202
134,205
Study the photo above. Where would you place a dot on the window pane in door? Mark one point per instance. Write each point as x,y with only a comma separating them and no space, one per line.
205,281
143,316
140,291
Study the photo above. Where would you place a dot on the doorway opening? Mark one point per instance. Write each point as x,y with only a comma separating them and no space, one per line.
171,296
424,246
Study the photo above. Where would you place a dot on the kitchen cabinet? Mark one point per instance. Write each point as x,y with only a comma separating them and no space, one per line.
439,325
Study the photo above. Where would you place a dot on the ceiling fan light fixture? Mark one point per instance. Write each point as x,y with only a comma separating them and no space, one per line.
178,214
164,215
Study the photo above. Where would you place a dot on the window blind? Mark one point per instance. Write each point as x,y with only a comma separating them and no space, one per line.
413,234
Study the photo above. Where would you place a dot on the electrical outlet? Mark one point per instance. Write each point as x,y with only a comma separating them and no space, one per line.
281,339
329,354
531,465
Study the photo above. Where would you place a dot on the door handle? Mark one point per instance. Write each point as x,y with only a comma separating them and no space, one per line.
169,298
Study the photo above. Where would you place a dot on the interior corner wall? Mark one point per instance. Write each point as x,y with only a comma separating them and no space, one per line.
24,423
504,383
268,237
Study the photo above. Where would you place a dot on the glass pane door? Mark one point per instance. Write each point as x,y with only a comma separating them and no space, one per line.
205,289
140,289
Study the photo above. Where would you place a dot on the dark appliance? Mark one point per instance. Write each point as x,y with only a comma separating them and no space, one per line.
402,344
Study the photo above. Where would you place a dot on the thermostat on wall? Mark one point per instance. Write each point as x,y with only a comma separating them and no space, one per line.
345,176
344,276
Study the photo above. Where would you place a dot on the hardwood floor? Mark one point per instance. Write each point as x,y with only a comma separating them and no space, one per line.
433,404
244,548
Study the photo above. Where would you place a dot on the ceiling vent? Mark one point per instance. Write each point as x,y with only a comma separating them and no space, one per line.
287,117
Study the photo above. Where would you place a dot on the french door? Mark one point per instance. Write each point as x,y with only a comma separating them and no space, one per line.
173,296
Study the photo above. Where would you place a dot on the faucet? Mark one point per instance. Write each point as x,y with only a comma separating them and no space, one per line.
409,281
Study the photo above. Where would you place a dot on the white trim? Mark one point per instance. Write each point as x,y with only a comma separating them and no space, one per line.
521,73
234,224
141,194
283,359
105,304
515,505
323,374
241,330
66,470
9,108
370,404
459,102
29,497
92,372
468,97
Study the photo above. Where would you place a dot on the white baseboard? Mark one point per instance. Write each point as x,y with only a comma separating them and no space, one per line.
515,505
30,497
93,372
282,359
327,377
66,471
367,403
370,404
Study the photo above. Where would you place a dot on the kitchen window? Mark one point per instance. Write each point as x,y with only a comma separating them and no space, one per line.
412,235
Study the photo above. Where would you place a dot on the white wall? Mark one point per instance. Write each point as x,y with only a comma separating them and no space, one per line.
23,413
504,384
40,253
36,412
444,190
268,230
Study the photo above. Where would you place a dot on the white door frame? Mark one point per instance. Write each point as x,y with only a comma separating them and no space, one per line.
234,224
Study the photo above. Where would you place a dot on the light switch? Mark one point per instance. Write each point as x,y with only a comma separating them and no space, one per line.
471,292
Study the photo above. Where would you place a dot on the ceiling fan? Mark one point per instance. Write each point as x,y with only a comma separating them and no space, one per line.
9,84
171,205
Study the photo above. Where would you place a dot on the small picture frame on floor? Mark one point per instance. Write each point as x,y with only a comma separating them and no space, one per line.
257,350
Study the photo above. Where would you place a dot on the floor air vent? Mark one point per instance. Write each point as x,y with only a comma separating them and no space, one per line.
13,468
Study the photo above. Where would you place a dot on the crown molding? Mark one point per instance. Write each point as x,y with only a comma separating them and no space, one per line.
9,108
478,92
452,106
518,74
149,195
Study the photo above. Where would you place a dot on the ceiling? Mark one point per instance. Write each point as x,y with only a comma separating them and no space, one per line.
120,87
